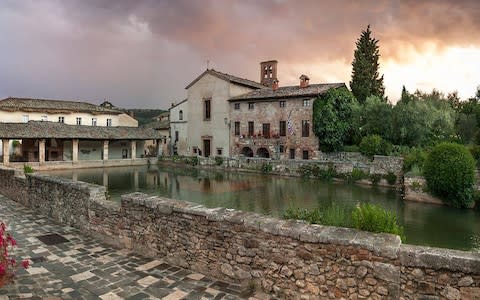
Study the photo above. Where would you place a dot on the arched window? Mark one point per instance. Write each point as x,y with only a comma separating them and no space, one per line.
180,115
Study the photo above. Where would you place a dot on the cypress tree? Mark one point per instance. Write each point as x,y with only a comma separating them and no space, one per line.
366,80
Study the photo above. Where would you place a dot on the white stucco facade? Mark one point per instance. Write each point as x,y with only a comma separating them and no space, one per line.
122,119
179,128
213,132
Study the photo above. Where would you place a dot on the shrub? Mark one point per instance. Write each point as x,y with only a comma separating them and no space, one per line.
15,144
391,178
337,215
475,151
312,216
351,148
314,170
218,160
450,174
414,159
194,161
369,217
356,175
266,168
375,178
334,215
374,145
27,169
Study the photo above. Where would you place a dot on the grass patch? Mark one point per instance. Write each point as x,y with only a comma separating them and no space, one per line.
367,217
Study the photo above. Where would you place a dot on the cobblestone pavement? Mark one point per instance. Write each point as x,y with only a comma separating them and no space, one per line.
82,268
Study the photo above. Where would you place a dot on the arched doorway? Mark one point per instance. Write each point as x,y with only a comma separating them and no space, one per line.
247,152
263,152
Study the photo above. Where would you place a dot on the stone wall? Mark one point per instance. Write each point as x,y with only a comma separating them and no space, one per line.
344,162
290,259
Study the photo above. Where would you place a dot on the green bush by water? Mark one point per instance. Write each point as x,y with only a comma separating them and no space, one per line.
373,218
266,168
374,145
218,160
315,170
414,160
365,217
450,174
391,178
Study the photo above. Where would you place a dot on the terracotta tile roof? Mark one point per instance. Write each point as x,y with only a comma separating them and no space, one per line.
53,106
39,129
229,78
288,91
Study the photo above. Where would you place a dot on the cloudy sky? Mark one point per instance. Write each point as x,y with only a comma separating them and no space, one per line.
142,54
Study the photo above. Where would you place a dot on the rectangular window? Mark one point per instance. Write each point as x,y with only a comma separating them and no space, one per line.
176,136
79,121
94,121
305,154
237,128
282,103
305,128
281,149
44,118
219,151
207,110
283,128
236,106
251,105
25,118
195,150
251,131
266,130
306,102
109,122
292,153
61,119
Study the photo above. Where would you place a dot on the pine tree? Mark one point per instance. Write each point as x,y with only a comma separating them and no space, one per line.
366,80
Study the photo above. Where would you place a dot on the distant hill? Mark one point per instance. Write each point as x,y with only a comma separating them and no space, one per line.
145,116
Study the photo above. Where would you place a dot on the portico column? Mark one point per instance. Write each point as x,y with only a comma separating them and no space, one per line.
75,150
133,149
41,151
105,150
6,153
157,147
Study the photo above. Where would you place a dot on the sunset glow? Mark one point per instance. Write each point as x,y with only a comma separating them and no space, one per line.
145,53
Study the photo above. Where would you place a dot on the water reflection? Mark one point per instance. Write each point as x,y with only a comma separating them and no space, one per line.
424,224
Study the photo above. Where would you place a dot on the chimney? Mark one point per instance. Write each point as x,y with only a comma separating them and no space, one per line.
173,104
275,85
268,72
304,81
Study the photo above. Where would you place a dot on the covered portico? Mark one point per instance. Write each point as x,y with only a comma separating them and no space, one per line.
43,142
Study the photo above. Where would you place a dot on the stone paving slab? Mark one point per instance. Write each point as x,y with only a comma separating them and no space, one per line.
83,268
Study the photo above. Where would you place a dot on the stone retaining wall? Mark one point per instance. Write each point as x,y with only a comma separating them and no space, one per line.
290,259
343,162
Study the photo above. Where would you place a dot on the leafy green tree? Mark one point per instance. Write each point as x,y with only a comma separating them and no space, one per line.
366,80
376,118
427,118
450,174
332,114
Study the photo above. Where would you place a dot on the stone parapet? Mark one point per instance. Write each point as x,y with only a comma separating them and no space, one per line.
286,258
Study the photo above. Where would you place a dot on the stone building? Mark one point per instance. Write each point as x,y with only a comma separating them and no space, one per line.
38,130
208,112
179,128
161,124
276,122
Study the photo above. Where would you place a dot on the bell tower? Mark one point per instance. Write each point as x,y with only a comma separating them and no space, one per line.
268,72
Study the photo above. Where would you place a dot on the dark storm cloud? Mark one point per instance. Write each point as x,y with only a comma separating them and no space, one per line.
144,52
